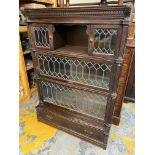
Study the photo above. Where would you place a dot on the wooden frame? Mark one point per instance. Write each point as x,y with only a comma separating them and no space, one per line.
24,78
23,71
63,118
90,32
50,30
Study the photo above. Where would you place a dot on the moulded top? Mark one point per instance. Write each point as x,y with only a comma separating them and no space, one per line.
96,13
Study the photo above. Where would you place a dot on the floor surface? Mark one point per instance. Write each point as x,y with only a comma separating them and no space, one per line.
37,138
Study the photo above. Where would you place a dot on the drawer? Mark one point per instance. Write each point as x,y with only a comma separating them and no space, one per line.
71,122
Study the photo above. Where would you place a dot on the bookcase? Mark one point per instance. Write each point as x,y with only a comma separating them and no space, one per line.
78,54
27,84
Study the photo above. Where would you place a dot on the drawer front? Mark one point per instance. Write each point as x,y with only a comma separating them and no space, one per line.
100,74
104,40
70,121
74,99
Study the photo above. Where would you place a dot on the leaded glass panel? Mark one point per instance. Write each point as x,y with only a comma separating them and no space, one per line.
41,36
82,71
105,41
79,100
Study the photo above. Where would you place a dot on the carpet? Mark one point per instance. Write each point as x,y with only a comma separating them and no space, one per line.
36,138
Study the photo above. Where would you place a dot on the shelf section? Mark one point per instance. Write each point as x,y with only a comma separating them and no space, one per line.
22,28
29,67
26,52
73,49
39,1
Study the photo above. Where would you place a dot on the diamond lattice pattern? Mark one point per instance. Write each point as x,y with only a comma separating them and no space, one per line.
79,100
85,72
41,36
105,40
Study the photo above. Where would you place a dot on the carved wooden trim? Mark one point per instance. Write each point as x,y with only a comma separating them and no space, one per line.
105,129
117,12
90,34
97,58
46,115
77,134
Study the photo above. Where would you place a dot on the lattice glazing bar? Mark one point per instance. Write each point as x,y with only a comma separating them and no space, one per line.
82,71
79,100
41,36
105,41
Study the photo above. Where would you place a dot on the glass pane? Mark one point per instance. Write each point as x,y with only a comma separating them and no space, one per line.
79,100
41,36
105,41
85,72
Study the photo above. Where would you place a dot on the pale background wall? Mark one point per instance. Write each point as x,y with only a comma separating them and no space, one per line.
83,1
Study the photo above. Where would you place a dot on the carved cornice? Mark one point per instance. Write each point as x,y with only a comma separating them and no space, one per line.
107,12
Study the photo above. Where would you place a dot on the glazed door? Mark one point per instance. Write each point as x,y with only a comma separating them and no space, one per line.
41,36
104,40
73,98
79,84
97,73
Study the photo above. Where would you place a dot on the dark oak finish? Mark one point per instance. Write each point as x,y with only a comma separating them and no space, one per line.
78,55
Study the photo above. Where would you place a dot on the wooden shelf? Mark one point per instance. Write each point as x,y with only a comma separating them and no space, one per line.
22,28
27,91
26,52
39,1
44,1
29,68
72,49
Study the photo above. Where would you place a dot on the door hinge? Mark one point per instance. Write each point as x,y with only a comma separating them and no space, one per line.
119,61
113,96
32,49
